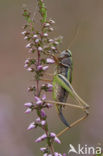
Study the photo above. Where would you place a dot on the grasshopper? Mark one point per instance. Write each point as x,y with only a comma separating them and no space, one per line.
62,87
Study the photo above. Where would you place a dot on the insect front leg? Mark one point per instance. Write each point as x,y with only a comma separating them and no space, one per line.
46,80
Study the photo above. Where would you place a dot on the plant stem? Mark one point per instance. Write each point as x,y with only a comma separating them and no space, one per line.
50,146
38,63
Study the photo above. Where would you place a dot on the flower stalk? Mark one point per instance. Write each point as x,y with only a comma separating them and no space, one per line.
40,46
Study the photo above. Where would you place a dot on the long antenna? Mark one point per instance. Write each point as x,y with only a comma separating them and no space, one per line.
74,36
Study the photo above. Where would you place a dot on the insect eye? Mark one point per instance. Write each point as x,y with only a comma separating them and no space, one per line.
69,53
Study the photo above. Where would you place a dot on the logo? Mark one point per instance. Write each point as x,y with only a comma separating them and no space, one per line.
84,149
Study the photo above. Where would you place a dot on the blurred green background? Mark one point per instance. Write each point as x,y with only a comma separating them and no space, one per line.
87,50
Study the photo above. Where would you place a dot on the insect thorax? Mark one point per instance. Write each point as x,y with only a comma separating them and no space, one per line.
64,69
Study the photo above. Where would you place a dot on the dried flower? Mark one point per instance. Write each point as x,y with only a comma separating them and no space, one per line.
43,114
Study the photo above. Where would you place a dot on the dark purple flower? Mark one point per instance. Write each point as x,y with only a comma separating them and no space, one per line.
40,67
64,154
43,114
